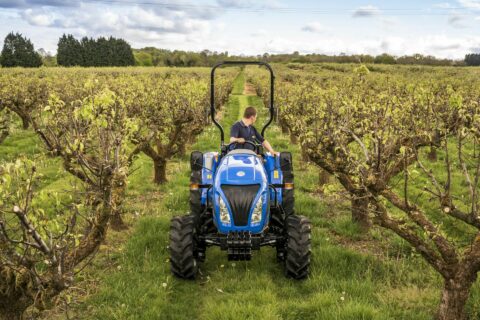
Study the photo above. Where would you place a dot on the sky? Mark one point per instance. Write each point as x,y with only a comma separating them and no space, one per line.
445,29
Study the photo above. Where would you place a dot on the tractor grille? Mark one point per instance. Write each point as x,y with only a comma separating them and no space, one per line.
240,199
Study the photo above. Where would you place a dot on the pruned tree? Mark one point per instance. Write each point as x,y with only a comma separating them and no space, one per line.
22,94
41,249
374,143
88,135
5,122
171,111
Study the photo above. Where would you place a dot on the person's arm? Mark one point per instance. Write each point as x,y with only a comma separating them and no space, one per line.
239,140
265,143
267,146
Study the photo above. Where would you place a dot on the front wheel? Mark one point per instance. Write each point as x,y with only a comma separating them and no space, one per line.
183,247
297,247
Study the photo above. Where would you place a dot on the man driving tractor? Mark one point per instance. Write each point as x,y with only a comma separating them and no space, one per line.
243,130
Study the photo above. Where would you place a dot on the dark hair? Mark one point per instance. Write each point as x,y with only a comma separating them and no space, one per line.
249,112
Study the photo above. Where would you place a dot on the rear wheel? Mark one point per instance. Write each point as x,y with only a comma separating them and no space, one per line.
196,165
183,247
276,225
286,163
297,247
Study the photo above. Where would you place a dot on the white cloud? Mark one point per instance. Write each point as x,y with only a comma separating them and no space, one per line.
444,5
38,18
441,46
457,20
366,11
259,33
235,3
200,27
314,27
145,24
242,4
472,4
38,3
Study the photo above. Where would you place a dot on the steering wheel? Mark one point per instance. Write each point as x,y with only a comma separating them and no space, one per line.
234,144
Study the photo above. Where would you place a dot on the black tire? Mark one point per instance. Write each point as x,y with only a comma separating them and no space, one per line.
196,207
297,247
276,226
183,247
196,165
286,164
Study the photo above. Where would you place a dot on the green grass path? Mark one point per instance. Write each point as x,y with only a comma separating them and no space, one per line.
344,284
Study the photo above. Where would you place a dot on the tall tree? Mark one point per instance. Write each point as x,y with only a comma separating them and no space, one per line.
472,59
18,51
69,52
122,53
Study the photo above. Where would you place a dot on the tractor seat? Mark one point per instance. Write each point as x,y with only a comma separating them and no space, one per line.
242,151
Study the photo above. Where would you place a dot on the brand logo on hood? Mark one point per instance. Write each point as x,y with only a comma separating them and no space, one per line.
240,173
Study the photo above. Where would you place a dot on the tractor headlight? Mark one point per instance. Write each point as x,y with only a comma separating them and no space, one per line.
257,213
224,215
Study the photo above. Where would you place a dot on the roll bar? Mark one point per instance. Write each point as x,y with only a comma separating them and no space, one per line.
212,92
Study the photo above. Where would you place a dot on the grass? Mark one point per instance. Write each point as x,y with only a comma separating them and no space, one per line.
353,276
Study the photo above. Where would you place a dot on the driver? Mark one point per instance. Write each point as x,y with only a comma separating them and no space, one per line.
244,130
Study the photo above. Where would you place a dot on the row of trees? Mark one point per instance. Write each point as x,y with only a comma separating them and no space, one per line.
472,59
385,58
18,51
96,124
161,57
375,135
89,52
150,56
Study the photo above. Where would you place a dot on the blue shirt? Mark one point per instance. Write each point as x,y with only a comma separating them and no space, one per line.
249,133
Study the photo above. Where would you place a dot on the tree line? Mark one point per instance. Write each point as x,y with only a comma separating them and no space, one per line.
18,51
89,52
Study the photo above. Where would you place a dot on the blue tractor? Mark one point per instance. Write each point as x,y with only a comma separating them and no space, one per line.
241,199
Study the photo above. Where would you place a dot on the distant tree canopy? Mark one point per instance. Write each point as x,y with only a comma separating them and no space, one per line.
161,57
472,59
89,52
385,59
150,56
18,51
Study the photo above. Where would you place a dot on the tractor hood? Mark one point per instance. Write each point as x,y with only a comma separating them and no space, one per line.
240,186
241,167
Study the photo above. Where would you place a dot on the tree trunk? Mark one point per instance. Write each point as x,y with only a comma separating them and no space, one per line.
293,138
454,297
12,307
3,136
10,314
323,177
25,122
160,167
304,153
284,128
116,222
118,195
432,155
182,149
360,212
